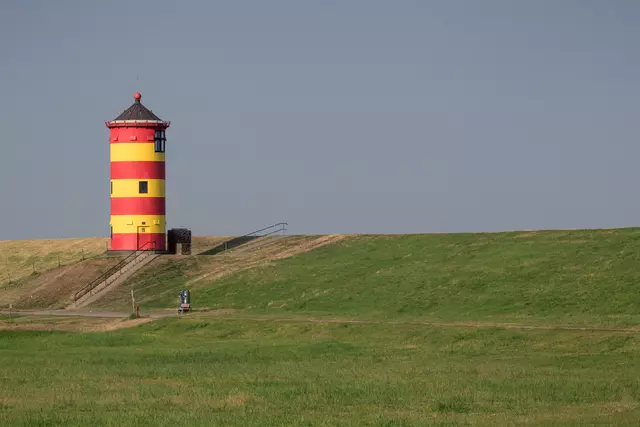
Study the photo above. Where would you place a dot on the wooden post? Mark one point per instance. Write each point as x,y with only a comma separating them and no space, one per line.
58,260
133,301
137,310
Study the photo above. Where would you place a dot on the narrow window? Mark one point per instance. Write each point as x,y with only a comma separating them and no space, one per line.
111,187
143,187
159,139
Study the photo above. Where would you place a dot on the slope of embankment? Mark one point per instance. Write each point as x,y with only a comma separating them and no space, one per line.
45,273
21,258
575,277
157,285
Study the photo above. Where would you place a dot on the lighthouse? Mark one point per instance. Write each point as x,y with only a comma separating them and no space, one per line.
137,144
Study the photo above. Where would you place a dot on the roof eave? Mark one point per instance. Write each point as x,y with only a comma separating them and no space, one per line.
138,123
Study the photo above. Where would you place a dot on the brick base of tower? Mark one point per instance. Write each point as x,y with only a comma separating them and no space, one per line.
142,241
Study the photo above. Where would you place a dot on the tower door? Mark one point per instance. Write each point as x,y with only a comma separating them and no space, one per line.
142,238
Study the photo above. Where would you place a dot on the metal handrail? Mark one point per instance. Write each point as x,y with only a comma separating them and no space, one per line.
282,227
111,271
240,240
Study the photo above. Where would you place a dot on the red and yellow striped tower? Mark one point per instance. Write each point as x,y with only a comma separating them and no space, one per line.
137,143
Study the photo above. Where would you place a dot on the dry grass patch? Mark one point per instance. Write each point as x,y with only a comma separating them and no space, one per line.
53,288
68,324
18,257
526,234
236,400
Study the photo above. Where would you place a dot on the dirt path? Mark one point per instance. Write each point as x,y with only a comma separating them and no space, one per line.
223,314
71,313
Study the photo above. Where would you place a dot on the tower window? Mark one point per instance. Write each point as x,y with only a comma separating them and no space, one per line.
159,139
143,187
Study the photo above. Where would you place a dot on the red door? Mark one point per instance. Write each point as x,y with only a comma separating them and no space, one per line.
142,238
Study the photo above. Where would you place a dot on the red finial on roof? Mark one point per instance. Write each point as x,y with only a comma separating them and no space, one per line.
137,96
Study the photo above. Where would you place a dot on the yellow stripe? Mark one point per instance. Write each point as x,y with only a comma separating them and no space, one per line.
138,224
135,152
131,187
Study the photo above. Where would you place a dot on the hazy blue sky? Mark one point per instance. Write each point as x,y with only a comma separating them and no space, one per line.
336,116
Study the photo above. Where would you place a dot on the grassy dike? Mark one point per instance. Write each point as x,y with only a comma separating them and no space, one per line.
273,361
582,277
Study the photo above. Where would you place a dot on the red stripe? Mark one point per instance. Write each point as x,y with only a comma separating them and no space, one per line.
131,134
138,206
137,170
132,241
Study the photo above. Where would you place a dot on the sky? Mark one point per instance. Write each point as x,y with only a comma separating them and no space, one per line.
336,116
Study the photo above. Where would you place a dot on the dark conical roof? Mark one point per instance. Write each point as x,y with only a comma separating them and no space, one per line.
137,111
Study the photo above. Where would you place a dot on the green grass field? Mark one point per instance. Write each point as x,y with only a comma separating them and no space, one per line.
207,371
273,361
